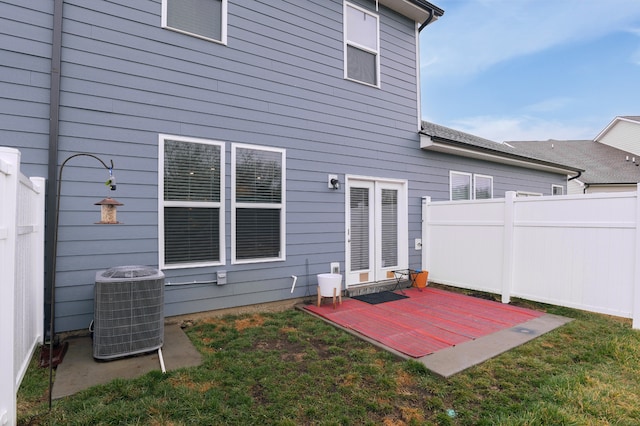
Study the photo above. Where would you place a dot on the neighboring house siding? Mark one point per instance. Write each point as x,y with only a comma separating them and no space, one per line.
505,177
278,83
25,52
624,135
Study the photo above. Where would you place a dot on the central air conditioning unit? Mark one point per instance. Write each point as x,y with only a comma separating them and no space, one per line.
128,311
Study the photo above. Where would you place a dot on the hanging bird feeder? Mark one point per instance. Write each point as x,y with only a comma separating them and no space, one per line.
108,211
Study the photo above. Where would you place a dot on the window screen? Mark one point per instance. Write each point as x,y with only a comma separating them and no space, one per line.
204,18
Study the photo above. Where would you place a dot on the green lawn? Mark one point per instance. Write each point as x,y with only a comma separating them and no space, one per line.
290,368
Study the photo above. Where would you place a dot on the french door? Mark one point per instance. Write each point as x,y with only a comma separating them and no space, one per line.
376,229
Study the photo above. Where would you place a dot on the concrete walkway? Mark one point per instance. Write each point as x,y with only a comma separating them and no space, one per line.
79,370
455,359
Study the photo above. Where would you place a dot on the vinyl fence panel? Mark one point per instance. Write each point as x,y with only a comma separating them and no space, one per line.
21,276
579,251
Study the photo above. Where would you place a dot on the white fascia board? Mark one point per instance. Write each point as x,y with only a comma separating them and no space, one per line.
611,126
428,144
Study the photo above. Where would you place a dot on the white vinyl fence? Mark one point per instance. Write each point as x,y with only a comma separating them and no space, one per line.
578,251
21,276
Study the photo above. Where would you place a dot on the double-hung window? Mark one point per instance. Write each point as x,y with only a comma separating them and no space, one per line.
205,19
191,194
467,186
361,45
258,209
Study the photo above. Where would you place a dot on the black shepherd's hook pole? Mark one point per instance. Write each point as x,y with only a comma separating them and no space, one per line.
54,255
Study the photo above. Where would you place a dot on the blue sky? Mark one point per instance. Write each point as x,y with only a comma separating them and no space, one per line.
531,69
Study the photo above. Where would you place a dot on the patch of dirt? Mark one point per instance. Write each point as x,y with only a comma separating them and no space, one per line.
255,320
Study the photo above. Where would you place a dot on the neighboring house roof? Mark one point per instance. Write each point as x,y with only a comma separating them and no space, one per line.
434,137
602,164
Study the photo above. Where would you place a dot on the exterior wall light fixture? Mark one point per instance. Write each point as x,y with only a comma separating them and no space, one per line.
333,182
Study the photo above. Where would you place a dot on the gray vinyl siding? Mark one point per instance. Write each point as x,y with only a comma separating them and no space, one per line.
277,83
25,49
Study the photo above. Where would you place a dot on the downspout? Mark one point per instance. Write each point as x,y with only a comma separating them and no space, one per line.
584,190
424,24
428,21
54,121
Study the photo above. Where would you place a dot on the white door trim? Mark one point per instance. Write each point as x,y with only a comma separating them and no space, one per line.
376,271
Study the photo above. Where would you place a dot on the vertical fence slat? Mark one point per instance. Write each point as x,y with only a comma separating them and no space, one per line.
636,279
507,247
9,165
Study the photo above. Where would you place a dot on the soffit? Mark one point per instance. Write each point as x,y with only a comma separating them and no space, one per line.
417,10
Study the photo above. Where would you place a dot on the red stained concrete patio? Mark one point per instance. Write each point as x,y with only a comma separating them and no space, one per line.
446,331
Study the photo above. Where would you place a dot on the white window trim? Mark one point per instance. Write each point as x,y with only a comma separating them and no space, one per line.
162,203
282,205
359,46
223,25
469,175
553,186
475,177
472,184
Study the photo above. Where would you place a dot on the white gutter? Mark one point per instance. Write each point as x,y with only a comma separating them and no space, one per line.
428,144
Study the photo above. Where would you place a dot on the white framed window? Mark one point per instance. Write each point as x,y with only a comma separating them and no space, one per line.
205,19
191,202
482,187
258,197
557,190
468,186
459,185
361,45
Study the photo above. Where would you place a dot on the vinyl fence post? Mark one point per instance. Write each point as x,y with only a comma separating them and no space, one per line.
38,255
507,246
635,314
9,179
425,233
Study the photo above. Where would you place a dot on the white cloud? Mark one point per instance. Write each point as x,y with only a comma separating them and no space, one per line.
475,34
549,105
501,129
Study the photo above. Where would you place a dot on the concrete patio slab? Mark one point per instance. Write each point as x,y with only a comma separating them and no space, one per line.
79,370
454,359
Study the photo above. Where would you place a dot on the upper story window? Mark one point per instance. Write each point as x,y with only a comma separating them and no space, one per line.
191,210
467,186
206,19
258,209
361,45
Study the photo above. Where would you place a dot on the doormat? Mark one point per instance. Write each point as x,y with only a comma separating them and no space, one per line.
381,297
